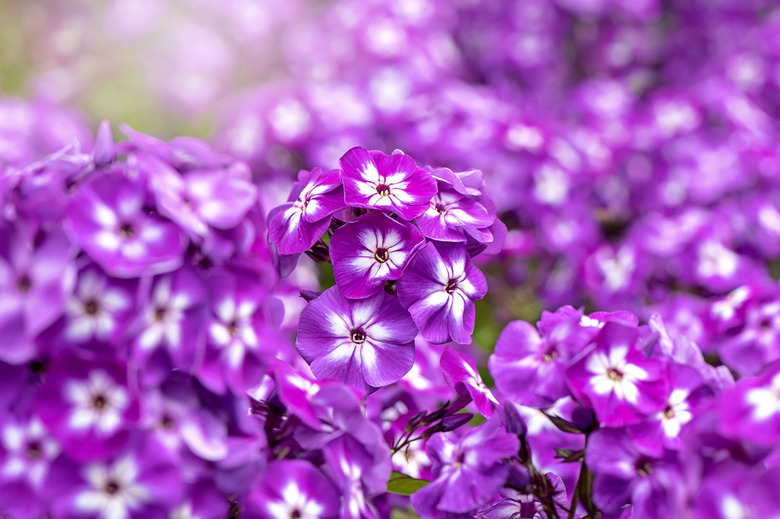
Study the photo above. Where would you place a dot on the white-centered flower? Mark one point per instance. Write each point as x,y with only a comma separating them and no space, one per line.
113,490
97,402
613,374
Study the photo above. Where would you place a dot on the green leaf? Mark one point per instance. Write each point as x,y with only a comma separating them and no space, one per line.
569,455
402,484
563,425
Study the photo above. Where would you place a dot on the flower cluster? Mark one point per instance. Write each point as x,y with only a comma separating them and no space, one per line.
138,305
602,417
401,239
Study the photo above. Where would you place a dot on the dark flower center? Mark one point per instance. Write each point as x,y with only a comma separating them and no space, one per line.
452,285
550,356
34,450
99,402
382,255
383,189
358,336
295,514
166,422
24,284
232,327
644,468
669,412
614,374
112,487
126,230
441,209
91,307
159,313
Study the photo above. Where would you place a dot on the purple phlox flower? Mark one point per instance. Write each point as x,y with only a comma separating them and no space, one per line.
655,486
182,420
370,250
36,276
351,467
720,268
99,308
460,369
39,192
684,351
202,199
87,406
340,413
732,490
459,209
26,450
295,226
620,384
393,183
237,341
167,328
439,288
755,345
751,409
730,311
530,369
468,470
296,391
141,481
662,430
294,488
366,343
108,220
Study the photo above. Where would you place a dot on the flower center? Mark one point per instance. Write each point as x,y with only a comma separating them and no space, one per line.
91,307
441,209
614,374
295,514
383,189
382,255
669,412
232,328
452,285
167,422
644,468
126,230
550,355
34,450
99,402
24,284
112,487
159,313
358,336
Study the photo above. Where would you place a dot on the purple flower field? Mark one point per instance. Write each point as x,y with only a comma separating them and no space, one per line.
436,259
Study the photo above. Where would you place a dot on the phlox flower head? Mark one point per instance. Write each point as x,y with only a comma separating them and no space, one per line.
109,220
439,288
88,406
393,183
142,480
366,343
751,409
622,474
460,208
35,281
370,250
467,470
616,379
295,226
294,488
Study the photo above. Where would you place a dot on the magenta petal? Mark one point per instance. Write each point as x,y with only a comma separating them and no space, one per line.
370,250
290,233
